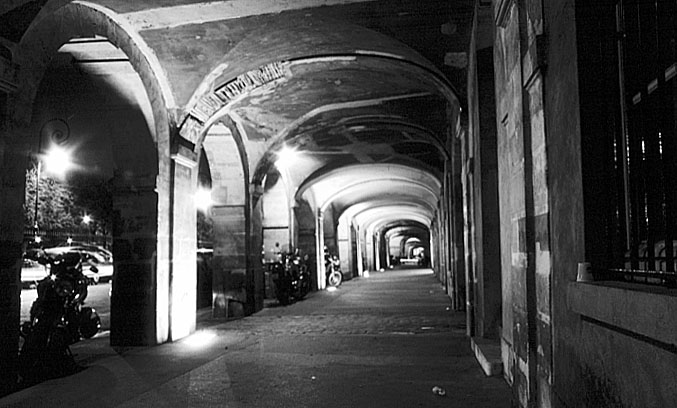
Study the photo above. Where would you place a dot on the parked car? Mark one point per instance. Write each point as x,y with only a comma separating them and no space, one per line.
97,262
101,255
32,272
97,272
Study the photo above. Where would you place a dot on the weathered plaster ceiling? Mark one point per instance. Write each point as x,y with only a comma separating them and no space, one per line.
375,185
369,83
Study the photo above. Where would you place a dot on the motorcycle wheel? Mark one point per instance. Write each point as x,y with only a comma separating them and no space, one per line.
334,278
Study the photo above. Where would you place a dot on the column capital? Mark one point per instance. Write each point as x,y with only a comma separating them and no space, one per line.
183,151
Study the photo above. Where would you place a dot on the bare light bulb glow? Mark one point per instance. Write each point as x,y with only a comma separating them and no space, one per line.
203,199
286,157
86,219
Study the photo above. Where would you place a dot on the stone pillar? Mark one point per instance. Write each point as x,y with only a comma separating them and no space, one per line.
12,184
487,297
354,250
329,231
369,249
229,266
536,158
523,187
380,251
306,241
359,243
457,261
319,254
233,285
344,245
136,283
183,269
256,255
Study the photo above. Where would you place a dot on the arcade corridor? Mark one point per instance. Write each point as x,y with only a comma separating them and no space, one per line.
521,149
386,340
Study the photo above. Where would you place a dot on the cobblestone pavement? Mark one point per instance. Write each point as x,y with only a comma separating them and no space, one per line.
382,341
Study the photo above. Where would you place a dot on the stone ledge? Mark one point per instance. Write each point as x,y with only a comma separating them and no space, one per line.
644,310
488,354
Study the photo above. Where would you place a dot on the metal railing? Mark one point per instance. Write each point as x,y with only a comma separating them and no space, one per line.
644,276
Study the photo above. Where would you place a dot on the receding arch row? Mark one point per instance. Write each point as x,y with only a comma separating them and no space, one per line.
353,184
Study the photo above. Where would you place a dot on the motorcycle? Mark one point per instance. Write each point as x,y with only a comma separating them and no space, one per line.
333,271
58,319
291,277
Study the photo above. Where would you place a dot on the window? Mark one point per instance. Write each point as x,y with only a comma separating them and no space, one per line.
645,151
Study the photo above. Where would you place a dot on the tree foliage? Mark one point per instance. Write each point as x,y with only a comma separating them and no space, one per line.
55,203
95,198
62,206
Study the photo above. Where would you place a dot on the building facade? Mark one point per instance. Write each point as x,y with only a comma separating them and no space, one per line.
524,148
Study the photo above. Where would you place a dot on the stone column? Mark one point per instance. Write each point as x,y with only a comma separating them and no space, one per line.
257,282
183,268
12,185
136,283
344,246
230,261
319,253
306,240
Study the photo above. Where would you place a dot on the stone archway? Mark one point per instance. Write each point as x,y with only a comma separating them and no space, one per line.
145,213
235,288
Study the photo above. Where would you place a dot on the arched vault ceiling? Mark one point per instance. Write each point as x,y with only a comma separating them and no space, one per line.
370,216
315,93
399,228
344,187
191,37
372,219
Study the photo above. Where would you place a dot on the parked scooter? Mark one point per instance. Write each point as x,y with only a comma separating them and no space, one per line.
57,320
291,277
334,275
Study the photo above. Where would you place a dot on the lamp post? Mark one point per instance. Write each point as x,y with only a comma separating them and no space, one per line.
57,162
58,131
87,220
37,198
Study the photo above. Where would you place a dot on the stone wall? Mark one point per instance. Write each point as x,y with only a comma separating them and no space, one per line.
523,153
484,195
567,344
617,342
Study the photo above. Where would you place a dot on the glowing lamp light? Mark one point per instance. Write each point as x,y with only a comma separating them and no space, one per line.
203,198
286,157
57,161
38,239
69,240
86,219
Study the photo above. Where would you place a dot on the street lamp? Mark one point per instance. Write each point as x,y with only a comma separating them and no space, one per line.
56,161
